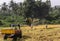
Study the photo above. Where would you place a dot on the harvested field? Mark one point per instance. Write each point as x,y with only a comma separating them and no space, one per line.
39,33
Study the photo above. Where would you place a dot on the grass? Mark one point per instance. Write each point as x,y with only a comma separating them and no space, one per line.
40,33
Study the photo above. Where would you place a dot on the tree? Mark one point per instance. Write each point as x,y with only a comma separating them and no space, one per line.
4,7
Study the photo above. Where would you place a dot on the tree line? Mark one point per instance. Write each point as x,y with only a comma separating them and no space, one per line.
15,13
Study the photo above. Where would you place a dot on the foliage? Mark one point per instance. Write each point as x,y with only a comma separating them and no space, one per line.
15,13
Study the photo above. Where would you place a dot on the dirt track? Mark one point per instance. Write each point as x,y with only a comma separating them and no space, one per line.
1,37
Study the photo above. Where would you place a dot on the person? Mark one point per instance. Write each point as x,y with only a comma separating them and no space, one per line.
18,34
19,26
46,26
30,22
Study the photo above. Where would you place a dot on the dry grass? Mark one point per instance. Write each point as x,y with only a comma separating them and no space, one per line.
40,33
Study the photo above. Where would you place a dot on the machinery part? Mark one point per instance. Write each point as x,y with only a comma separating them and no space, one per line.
17,35
6,36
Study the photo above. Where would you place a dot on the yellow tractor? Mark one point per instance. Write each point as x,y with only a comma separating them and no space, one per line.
12,33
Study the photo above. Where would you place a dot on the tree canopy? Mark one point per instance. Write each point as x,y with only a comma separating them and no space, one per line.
15,13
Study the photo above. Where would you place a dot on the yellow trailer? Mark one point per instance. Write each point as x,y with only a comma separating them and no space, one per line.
8,31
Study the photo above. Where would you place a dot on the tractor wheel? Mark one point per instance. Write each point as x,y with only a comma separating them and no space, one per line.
5,37
14,38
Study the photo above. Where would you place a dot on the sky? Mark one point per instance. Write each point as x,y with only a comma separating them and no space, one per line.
53,2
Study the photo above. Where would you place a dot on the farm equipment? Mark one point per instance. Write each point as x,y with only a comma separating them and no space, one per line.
12,33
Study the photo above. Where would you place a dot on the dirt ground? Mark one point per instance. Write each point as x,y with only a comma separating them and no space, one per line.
39,33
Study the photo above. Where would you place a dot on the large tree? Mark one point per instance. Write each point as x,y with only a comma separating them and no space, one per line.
36,9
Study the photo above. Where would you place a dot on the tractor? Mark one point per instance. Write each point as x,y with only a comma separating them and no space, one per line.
12,33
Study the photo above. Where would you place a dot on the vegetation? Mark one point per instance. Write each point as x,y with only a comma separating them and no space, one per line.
15,13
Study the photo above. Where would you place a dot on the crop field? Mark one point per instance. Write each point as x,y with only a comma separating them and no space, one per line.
39,33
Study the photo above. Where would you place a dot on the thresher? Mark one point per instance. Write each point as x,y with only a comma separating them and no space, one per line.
12,33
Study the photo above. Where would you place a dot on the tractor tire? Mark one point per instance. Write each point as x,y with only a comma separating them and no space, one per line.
5,37
14,39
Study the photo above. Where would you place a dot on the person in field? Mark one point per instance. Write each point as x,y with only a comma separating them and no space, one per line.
29,22
46,26
19,26
18,34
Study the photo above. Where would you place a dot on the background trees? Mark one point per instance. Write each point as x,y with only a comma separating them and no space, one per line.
15,13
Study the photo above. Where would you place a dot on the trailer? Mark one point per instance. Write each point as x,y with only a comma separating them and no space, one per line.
11,33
